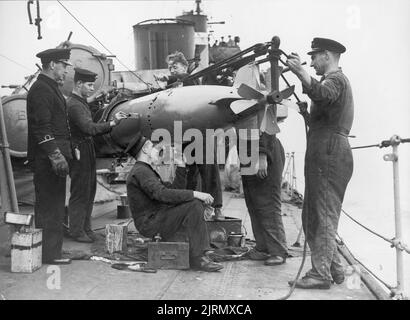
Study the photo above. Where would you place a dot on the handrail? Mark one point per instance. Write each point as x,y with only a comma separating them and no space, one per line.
396,242
172,20
383,144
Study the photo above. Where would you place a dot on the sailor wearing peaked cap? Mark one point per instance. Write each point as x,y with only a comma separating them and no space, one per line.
322,44
329,161
83,166
84,75
49,150
57,55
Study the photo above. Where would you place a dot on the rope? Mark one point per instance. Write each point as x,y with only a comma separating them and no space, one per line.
393,242
15,62
302,264
368,229
108,50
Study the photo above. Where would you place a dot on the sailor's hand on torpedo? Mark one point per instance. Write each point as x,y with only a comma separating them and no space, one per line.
263,166
118,117
161,77
205,197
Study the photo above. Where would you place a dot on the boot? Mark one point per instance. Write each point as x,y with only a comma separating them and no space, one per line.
203,263
274,261
338,278
218,214
82,238
311,283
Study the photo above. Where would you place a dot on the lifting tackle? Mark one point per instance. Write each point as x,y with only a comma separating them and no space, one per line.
37,20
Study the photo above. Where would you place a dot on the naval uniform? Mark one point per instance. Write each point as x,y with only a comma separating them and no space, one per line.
157,207
48,130
82,170
328,169
263,199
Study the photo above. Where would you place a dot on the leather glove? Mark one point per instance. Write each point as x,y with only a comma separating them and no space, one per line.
59,163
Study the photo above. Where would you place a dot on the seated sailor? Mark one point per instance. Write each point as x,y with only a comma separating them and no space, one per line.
160,208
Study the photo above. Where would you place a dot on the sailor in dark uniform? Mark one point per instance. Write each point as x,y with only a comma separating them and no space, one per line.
49,150
160,208
83,167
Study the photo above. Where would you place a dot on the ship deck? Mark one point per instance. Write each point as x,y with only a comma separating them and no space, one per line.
239,280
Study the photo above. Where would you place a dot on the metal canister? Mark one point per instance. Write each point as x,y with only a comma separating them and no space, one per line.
235,240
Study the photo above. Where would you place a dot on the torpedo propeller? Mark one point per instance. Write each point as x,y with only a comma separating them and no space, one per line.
253,96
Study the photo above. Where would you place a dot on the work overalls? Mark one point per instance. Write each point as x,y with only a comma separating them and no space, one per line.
328,169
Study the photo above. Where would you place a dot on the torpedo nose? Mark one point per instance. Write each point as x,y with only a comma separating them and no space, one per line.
122,134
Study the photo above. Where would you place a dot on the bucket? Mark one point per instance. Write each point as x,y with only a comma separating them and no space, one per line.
235,239
123,212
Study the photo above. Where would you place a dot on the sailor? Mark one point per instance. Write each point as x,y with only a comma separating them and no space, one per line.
328,160
262,192
49,150
178,69
237,40
210,178
230,42
158,208
83,166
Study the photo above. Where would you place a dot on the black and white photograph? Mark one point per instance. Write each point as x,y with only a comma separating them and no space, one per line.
205,156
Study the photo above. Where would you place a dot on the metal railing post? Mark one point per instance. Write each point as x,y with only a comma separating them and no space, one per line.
394,157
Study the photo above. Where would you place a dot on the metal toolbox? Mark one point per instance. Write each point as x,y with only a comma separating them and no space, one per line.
168,255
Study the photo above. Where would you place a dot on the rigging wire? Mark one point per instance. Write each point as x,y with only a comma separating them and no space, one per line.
368,229
15,62
383,144
108,50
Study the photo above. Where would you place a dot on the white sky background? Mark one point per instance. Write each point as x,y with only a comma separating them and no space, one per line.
377,62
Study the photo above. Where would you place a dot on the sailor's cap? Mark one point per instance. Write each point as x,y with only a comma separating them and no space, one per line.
57,55
135,145
322,44
84,75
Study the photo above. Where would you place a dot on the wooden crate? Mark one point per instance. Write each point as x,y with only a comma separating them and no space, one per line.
26,250
168,255
116,238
